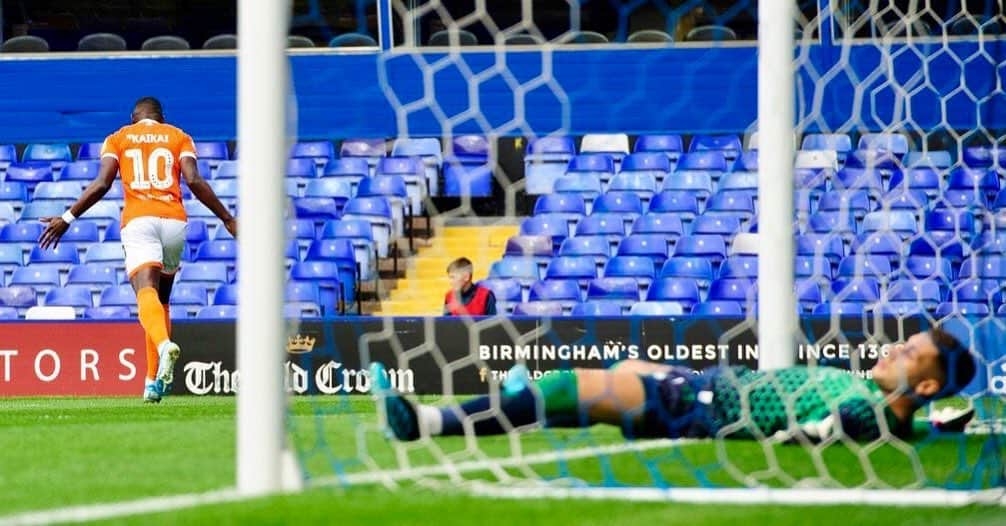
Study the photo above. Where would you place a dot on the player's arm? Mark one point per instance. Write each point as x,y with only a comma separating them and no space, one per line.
57,226
204,193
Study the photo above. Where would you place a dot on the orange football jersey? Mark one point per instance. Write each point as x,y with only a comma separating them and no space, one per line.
149,155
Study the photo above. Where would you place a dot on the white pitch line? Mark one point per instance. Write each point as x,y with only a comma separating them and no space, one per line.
92,512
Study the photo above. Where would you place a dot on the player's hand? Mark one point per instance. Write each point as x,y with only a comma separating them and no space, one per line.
54,230
232,226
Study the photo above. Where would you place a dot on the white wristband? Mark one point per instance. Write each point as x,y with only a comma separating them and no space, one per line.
68,217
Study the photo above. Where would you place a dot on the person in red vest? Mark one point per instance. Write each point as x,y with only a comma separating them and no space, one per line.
466,298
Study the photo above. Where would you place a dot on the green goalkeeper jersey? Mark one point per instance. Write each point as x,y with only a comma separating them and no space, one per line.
745,399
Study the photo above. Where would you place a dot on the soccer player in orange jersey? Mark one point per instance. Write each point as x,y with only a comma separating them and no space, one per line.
150,155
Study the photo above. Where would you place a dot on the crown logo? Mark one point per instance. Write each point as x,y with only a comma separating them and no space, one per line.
300,344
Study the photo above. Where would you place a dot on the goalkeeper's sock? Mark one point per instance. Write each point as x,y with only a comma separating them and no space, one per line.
557,391
152,315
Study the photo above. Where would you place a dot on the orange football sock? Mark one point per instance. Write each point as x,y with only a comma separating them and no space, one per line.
152,359
152,315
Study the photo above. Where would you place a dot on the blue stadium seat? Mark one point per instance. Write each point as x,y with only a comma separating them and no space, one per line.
596,309
89,151
668,225
985,267
586,185
947,309
301,168
712,247
119,296
963,198
699,184
30,173
729,145
8,155
508,292
840,308
901,309
923,178
58,154
571,205
595,247
109,252
599,164
107,313
226,170
990,242
742,291
343,254
682,203
642,184
610,227
80,171
712,162
337,189
670,145
468,150
196,210
739,267
212,151
318,209
567,292
889,142
215,312
58,191
329,276
717,225
977,291
747,162
580,268
985,156
11,257
320,151
352,169
523,270
914,201
377,211
543,177
944,224
653,164
980,180
828,246
370,149
928,267
902,223
681,290
189,296
223,250
698,268
116,193
82,231
18,297
653,246
855,201
933,159
639,268
867,180
103,211
554,226
842,224
14,192
429,151
63,256
836,142
951,249
738,181
628,205
473,180
858,290
719,308
210,274
95,275
624,292
550,149
925,293
818,268
656,308
226,190
226,295
412,173
808,294
305,296
77,296
538,308
868,266
23,233
539,247
40,278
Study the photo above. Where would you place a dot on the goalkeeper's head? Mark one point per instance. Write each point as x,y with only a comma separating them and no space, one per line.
928,366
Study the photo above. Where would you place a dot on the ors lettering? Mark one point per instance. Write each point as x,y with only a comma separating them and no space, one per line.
54,365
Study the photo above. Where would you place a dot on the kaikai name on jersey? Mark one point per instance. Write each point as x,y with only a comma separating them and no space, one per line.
147,138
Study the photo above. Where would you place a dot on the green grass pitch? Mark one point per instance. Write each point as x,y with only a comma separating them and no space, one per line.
65,452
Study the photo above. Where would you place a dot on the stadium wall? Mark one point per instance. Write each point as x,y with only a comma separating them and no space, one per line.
329,356
681,89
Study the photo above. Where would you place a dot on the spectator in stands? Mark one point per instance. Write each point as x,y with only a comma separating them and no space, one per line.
466,298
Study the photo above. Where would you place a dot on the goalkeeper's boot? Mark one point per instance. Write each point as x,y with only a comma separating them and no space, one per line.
517,379
152,392
952,420
401,414
167,353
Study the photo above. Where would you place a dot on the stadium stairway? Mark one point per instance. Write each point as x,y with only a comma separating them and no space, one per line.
421,292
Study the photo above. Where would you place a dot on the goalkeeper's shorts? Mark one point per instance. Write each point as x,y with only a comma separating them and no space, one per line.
678,405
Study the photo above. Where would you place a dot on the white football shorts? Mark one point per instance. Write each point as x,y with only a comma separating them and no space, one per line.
153,241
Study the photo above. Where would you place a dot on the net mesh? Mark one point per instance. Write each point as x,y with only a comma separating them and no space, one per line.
900,124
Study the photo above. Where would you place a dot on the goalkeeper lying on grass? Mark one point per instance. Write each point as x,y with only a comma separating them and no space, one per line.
648,400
